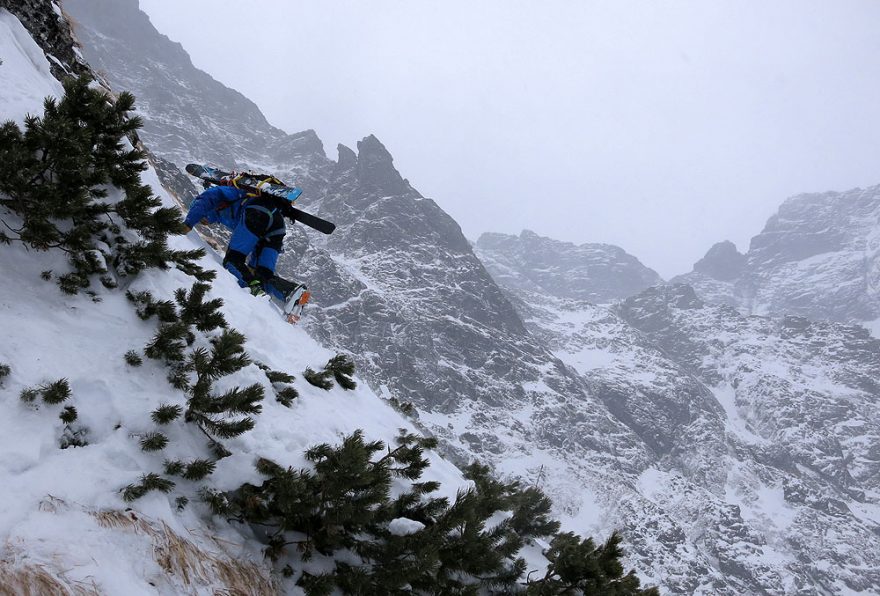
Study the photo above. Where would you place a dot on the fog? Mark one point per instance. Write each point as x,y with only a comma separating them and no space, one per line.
662,127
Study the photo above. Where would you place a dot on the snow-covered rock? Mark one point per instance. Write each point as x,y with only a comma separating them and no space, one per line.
594,272
46,23
25,75
763,435
817,257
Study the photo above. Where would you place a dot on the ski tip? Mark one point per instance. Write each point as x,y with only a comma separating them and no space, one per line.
194,169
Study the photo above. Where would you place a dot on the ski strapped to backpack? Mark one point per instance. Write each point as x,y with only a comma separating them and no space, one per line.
262,185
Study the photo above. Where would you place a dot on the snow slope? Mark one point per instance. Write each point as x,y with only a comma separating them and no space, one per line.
48,336
67,522
25,78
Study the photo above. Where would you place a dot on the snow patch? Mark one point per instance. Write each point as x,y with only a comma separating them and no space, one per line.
590,518
652,482
403,526
587,358
25,77
735,423
873,327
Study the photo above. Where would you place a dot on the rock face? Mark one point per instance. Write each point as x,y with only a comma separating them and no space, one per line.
736,453
187,114
763,435
52,32
595,272
818,257
801,400
723,262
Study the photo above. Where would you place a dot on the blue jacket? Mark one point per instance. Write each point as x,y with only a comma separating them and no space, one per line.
218,204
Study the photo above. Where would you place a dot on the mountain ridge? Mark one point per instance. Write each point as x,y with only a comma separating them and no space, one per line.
827,242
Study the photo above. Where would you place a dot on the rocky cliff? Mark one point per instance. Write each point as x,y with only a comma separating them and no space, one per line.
817,257
597,273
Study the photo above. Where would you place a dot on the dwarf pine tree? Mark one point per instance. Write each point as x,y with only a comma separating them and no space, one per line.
321,380
275,376
56,392
132,358
52,393
342,368
286,395
146,307
404,407
218,415
223,415
531,513
154,441
342,508
174,467
166,414
194,368
578,566
194,310
68,415
198,469
281,385
54,179
29,395
170,342
530,507
148,482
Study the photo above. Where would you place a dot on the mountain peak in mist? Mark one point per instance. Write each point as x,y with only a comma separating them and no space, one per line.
376,169
594,272
723,261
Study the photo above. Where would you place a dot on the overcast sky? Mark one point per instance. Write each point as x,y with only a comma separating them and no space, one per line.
659,126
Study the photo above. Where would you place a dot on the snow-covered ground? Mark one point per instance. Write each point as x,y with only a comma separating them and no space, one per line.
48,336
25,79
63,515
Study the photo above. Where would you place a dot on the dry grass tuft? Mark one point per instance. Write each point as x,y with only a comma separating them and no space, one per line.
30,579
192,565
52,504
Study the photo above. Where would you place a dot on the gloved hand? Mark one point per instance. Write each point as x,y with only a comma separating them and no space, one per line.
256,288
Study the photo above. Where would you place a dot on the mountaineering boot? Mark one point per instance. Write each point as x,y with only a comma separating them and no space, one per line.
296,302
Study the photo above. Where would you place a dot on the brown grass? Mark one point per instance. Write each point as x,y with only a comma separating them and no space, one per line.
192,565
30,579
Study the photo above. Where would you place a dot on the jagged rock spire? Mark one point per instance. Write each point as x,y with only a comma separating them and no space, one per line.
376,169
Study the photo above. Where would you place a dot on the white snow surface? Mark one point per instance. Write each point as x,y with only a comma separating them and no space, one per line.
54,497
25,79
47,336
403,526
